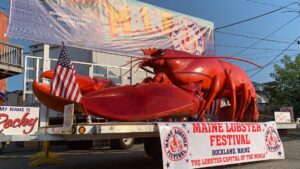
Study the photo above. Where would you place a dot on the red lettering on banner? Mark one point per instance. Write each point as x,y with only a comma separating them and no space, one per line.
196,162
256,128
225,140
18,123
196,128
208,161
240,127
256,156
260,156
249,156
207,127
230,159
229,127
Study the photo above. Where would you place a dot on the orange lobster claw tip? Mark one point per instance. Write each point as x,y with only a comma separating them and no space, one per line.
42,92
150,51
49,74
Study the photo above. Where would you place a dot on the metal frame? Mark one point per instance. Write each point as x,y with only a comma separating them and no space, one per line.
98,131
94,131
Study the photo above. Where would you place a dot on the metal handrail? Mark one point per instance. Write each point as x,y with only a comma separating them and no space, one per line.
11,54
10,44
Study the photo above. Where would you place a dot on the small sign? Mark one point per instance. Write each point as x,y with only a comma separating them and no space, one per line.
68,118
19,120
191,145
282,117
288,109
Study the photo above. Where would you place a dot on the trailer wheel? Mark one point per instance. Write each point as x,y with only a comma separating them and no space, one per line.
79,145
2,147
152,147
121,144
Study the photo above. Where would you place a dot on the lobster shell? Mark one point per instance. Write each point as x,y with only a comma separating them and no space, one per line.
140,102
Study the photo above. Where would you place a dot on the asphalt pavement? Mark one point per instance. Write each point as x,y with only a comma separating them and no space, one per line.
134,158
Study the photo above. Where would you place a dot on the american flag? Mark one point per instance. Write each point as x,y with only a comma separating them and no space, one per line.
64,83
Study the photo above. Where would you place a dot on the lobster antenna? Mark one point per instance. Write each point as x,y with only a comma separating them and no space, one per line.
210,57
131,67
128,62
151,51
235,58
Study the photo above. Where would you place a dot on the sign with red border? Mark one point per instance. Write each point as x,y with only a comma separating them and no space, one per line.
19,120
206,144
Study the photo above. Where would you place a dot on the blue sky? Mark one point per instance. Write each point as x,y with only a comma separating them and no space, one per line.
227,12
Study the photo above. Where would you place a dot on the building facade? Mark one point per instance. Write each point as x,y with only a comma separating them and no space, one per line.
3,29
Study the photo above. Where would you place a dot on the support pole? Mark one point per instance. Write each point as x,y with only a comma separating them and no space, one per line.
44,157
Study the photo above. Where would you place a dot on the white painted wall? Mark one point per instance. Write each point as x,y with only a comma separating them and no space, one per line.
75,55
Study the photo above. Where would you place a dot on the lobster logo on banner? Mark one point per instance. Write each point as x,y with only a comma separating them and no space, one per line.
273,142
176,144
187,36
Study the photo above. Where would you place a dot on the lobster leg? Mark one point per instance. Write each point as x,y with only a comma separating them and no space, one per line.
232,89
86,113
251,112
213,93
245,101
159,78
162,78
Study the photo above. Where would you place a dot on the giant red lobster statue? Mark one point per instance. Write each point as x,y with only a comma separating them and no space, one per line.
183,85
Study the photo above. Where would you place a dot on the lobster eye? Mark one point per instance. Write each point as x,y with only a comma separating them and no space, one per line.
158,53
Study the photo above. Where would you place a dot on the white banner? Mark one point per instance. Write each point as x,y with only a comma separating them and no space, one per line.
199,144
118,26
19,120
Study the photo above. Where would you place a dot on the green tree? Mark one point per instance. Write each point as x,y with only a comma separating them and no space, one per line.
285,90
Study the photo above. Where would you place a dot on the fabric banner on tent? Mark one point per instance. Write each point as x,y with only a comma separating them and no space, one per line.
199,144
119,26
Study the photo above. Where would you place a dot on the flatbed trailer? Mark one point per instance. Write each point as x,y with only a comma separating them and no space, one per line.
117,135
86,130
76,134
93,131
101,131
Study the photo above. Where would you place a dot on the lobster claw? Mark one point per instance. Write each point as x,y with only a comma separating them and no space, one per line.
86,85
42,92
140,102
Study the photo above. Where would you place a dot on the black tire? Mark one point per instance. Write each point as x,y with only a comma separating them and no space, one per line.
121,144
79,145
2,147
152,147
